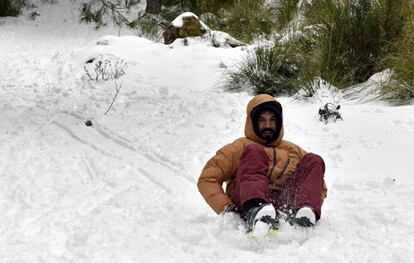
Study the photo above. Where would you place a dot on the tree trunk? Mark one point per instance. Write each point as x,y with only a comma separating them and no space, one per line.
203,5
153,6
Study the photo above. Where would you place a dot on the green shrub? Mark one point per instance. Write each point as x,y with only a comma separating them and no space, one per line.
11,7
284,11
247,19
270,70
173,8
205,6
150,28
353,36
304,46
401,61
244,19
169,13
343,42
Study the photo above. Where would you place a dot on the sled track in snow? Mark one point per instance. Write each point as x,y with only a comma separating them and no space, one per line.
116,147
128,145
79,139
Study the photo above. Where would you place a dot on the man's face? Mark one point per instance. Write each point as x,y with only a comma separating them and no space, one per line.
267,124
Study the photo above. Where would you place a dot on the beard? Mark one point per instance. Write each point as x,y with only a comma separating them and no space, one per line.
267,134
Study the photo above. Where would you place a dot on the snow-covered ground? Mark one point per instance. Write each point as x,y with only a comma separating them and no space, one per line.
124,189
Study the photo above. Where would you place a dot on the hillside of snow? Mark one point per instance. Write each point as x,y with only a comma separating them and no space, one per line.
124,189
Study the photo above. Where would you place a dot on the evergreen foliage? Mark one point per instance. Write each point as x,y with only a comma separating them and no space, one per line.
243,19
284,11
198,6
342,42
122,13
401,61
353,36
248,18
119,12
271,70
11,7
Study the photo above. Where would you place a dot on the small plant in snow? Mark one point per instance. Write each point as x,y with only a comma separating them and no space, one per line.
105,67
117,89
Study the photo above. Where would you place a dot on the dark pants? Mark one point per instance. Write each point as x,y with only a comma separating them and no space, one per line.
304,188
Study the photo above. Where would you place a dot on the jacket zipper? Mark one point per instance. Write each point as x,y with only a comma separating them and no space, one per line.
269,174
284,168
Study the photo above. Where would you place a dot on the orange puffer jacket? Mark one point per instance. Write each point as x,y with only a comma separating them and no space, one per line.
284,157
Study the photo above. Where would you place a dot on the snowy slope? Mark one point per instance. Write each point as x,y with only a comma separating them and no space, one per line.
124,189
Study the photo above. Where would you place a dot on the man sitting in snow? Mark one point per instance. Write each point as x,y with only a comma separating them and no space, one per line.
265,175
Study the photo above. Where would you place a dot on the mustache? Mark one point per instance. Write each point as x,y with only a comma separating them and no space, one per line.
267,129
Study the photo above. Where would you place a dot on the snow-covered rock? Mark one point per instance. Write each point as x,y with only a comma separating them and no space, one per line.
188,26
185,25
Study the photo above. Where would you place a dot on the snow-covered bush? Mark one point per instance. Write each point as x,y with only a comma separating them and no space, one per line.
105,67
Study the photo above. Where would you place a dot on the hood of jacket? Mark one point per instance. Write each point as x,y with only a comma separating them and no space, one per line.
248,129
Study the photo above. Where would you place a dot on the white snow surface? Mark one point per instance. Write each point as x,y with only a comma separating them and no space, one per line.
124,189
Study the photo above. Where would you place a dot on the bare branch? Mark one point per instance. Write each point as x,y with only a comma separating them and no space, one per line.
116,94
